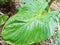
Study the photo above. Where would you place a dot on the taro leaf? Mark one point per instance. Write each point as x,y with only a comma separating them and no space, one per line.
24,28
31,24
3,18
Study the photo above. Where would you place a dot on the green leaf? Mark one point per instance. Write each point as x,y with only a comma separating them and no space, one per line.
34,6
33,23
3,18
25,28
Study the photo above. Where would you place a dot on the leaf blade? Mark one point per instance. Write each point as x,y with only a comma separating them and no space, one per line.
29,31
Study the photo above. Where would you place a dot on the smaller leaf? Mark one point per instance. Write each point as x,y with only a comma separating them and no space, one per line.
3,18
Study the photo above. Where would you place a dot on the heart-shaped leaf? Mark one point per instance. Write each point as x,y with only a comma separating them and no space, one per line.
33,23
24,28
